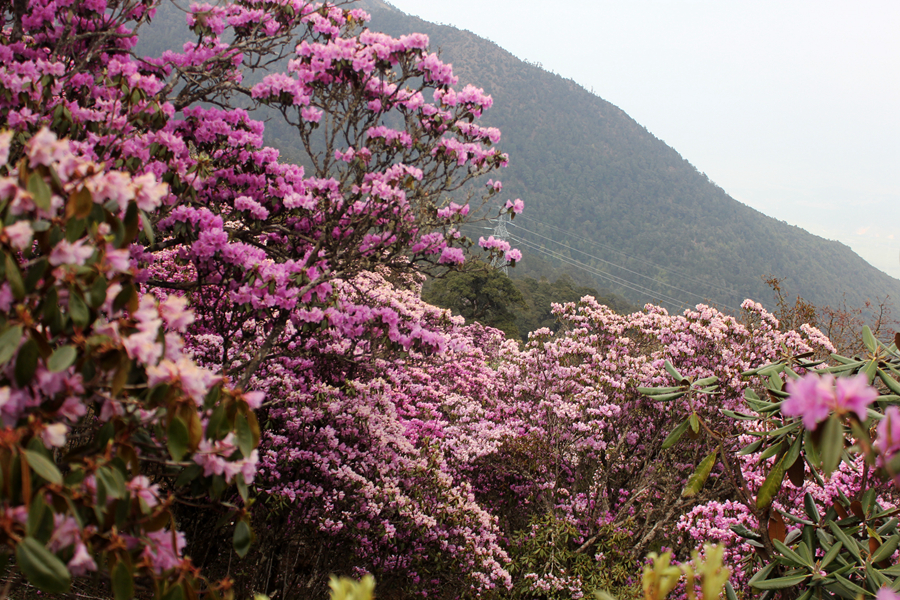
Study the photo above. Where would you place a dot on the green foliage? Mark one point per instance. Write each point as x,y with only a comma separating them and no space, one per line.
482,294
837,550
549,550
540,295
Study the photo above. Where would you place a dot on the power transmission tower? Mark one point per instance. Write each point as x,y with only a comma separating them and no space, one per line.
500,233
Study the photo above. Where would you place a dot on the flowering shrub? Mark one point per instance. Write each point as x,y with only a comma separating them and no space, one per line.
132,192
106,419
831,530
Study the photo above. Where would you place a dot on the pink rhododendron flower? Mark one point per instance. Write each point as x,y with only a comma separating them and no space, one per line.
82,562
19,234
813,397
886,593
65,253
854,394
5,140
54,435
516,206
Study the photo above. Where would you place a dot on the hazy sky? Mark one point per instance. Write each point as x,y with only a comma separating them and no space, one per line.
792,107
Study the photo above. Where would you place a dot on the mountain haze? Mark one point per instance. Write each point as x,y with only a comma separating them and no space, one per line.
599,182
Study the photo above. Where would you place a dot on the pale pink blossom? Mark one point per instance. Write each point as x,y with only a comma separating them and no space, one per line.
19,234
65,253
55,435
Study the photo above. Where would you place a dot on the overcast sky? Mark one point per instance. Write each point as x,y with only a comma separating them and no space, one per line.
792,107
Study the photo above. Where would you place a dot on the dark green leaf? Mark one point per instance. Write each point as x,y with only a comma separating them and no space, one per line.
9,343
886,549
175,593
849,543
26,362
794,559
742,531
78,310
39,190
14,277
43,466
831,554
242,538
188,475
700,475
177,438
676,434
122,582
832,444
42,568
889,381
780,583
98,291
770,487
244,435
750,448
812,511
761,574
61,359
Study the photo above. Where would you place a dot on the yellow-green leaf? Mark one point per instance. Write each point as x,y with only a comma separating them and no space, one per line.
700,475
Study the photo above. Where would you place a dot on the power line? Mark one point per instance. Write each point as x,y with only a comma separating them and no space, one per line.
597,272
605,275
618,266
625,254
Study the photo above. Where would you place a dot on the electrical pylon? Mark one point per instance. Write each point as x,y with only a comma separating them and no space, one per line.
500,233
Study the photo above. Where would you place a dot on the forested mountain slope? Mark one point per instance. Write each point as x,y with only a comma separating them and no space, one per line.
646,223
585,167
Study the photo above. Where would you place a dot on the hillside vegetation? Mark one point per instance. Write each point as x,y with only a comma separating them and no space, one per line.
598,181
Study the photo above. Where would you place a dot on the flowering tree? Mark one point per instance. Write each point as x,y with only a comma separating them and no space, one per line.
126,201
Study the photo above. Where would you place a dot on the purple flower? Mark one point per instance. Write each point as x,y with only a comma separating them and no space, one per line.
887,593
810,398
854,394
815,396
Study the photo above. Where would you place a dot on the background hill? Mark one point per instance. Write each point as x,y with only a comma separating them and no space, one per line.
608,202
599,182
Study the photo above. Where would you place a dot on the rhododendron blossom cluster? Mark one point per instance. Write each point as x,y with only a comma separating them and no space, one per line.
205,348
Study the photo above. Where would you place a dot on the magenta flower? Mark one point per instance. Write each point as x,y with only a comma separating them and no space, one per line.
809,398
814,397
888,433
854,394
887,593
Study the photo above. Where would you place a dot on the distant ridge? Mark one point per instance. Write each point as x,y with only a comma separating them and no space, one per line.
584,167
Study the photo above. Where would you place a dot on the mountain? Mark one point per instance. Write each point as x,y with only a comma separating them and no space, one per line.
606,201
600,183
